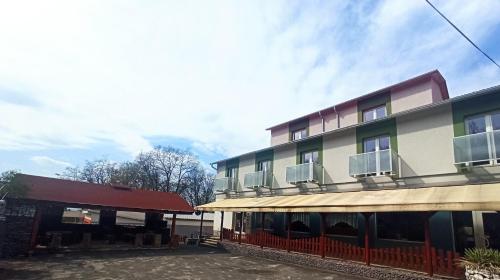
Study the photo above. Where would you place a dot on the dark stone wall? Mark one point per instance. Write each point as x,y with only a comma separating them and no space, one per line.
17,229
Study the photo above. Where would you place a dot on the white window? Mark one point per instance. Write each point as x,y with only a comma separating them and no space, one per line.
376,155
374,144
374,113
264,165
299,134
485,144
482,123
309,157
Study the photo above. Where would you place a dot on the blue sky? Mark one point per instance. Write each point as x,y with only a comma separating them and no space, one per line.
91,79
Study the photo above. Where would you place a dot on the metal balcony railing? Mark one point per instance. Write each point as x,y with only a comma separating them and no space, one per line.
480,147
225,184
257,179
373,164
307,172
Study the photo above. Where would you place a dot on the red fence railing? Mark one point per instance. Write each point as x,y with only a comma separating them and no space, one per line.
412,258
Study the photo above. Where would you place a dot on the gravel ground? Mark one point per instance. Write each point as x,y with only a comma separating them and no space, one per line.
184,263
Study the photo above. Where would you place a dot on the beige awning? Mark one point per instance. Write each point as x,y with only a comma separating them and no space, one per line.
456,198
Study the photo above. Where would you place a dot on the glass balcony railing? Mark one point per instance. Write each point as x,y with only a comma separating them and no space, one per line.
307,172
477,148
257,179
373,163
225,184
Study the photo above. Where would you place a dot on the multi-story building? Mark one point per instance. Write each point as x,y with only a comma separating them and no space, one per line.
396,152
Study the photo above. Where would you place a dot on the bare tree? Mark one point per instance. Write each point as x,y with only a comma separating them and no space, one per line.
162,169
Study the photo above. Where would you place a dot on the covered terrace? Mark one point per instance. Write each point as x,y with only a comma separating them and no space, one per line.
35,220
423,203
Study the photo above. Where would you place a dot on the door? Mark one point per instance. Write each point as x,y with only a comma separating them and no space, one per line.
377,163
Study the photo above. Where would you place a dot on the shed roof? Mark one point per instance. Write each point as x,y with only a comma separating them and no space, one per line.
98,195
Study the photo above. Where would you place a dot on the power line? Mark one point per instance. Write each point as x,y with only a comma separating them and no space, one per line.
459,31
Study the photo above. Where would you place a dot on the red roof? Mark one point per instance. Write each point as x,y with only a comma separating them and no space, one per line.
119,197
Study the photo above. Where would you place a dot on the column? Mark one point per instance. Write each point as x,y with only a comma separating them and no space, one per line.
322,232
289,230
262,221
36,225
172,230
221,225
241,227
201,225
367,237
427,234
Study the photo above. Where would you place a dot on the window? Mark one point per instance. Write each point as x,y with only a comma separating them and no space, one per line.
486,144
379,143
377,157
300,222
482,123
400,226
232,172
342,224
309,157
374,113
264,165
299,134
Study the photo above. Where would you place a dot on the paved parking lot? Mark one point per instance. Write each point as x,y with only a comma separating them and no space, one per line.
186,263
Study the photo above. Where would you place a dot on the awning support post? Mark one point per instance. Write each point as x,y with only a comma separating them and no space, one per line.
201,225
289,230
427,234
221,225
367,237
241,227
262,220
322,237
172,230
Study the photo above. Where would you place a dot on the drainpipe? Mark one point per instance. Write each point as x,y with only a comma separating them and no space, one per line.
322,121
337,115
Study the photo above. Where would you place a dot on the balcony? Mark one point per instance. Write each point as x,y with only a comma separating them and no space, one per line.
373,164
258,179
303,173
225,184
480,148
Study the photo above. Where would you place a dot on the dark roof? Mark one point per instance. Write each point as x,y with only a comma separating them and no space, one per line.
112,196
434,74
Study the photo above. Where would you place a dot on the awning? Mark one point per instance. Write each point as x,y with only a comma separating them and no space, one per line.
484,197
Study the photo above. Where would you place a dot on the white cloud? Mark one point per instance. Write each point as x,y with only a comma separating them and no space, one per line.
219,72
46,161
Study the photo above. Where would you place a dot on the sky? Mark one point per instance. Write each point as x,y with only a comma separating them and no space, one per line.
85,80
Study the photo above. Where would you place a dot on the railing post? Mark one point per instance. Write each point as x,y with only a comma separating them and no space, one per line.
241,227
427,233
262,220
201,226
367,237
221,225
322,237
288,234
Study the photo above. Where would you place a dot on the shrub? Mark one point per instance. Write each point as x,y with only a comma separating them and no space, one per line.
480,258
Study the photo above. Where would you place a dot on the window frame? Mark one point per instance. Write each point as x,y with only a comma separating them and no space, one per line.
303,134
302,156
374,112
